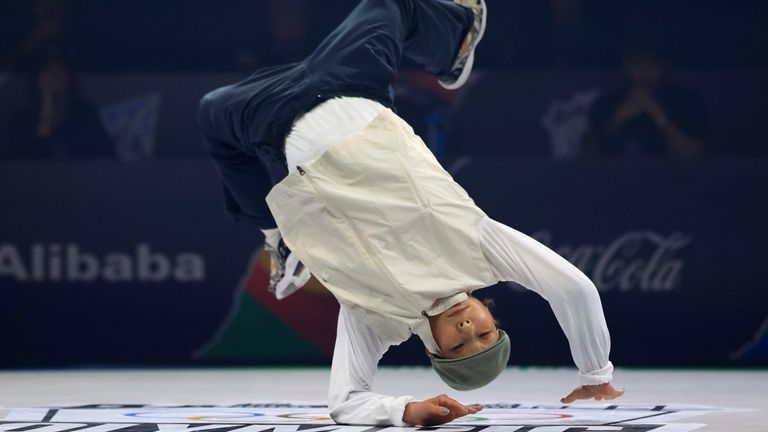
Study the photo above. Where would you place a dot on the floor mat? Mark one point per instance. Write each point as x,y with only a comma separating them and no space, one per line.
305,416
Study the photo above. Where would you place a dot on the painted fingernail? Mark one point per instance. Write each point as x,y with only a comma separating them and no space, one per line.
446,411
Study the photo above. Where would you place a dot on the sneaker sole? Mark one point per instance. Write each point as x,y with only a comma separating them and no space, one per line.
294,278
467,71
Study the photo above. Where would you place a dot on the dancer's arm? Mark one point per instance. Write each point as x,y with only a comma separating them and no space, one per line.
355,359
513,256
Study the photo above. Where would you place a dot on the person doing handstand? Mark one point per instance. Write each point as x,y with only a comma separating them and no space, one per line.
313,154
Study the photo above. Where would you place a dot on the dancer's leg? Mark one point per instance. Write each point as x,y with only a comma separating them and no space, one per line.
361,56
246,181
366,48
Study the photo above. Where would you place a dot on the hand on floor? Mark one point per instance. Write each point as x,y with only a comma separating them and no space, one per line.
437,410
598,392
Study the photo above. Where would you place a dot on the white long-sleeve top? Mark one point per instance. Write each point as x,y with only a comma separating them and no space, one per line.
364,334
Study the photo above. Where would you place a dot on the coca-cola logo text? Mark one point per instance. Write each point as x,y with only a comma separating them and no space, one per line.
637,260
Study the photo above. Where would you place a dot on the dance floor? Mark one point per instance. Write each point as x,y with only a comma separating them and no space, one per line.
291,399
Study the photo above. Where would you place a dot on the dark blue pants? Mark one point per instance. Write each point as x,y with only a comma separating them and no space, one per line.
244,125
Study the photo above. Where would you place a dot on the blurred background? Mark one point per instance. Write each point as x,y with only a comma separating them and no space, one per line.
629,136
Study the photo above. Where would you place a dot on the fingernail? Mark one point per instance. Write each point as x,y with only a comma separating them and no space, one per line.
446,411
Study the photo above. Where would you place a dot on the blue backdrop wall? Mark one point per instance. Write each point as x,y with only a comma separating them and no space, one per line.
103,263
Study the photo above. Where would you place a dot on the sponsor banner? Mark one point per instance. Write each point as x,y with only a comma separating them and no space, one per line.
675,249
134,264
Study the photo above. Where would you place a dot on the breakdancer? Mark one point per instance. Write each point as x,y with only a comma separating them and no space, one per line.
313,154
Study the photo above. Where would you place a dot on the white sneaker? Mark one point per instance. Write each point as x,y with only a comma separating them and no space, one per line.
296,276
286,273
462,67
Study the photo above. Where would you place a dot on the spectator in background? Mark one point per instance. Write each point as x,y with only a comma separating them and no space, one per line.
648,116
283,32
49,34
56,123
577,37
